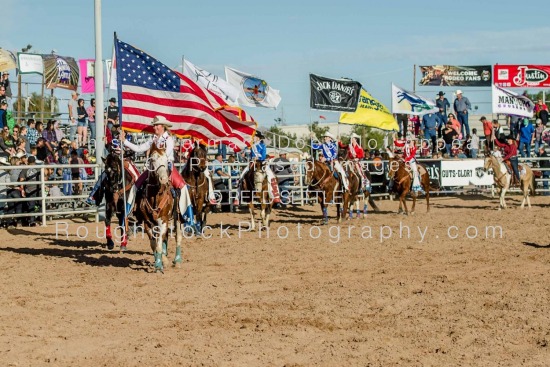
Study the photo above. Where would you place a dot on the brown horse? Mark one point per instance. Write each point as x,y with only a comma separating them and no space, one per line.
356,190
321,180
255,190
402,182
154,208
193,174
503,178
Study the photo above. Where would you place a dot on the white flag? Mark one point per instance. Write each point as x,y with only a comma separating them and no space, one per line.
111,72
30,63
211,82
253,91
510,103
410,103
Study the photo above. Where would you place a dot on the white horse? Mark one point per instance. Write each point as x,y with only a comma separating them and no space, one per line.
503,179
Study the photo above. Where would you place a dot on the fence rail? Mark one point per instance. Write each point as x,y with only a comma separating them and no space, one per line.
47,206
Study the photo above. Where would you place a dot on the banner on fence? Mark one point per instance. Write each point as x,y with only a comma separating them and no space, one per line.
30,63
7,60
60,72
434,169
450,75
532,76
510,103
465,173
87,75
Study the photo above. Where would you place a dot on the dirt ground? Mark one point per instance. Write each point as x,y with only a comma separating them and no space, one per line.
366,298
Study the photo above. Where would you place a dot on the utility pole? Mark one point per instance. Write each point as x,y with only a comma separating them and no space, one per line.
98,74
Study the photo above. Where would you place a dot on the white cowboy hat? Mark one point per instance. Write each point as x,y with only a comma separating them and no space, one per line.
4,161
354,135
20,155
329,135
159,120
458,91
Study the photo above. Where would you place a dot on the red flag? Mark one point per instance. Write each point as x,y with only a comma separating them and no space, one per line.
148,88
322,117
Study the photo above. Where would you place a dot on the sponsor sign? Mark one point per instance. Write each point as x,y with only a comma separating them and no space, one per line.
465,173
532,76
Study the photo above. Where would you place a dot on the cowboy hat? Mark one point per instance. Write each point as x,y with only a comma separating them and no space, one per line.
329,135
113,99
20,155
354,135
458,91
259,134
440,93
159,120
4,161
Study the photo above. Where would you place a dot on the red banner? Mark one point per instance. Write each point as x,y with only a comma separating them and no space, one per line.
526,76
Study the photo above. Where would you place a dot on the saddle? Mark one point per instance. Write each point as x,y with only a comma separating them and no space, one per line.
514,181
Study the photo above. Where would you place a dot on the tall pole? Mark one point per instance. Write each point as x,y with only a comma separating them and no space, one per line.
98,74
414,78
42,100
19,113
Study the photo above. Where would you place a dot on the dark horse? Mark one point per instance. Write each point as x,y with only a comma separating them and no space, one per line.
255,190
193,174
322,182
114,199
402,182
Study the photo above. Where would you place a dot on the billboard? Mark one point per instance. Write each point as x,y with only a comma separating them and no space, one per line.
454,76
526,76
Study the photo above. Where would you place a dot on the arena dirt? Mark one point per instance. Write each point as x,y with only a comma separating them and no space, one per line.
366,298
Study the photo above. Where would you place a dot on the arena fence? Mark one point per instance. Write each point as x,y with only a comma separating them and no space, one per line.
449,177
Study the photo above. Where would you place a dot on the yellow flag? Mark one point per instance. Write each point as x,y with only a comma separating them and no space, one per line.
370,112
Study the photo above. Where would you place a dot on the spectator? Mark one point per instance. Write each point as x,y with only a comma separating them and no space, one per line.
430,123
66,173
443,117
24,134
415,121
449,135
90,111
3,114
498,132
50,137
541,112
59,134
77,173
474,143
526,137
33,151
29,174
455,124
6,143
442,103
514,125
15,134
42,151
488,132
3,98
39,128
73,115
219,178
539,129
86,160
455,149
82,128
15,192
465,148
4,178
5,84
21,146
111,114
461,106
402,121
544,164
32,134
285,177
425,149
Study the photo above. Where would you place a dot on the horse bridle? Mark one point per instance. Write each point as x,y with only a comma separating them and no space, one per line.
319,180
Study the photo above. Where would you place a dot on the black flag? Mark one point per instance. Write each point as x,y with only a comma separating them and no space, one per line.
334,94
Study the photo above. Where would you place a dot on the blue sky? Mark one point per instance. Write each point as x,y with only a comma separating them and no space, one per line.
282,41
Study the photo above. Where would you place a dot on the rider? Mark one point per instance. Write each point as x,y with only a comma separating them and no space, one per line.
187,148
510,154
259,152
409,152
330,152
355,154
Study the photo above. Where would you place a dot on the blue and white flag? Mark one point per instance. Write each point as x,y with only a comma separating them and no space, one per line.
411,103
253,91
211,82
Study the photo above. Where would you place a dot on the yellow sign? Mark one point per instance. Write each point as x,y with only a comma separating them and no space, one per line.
370,112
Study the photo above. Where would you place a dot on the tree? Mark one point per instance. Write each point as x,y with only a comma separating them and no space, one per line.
34,105
538,95
371,138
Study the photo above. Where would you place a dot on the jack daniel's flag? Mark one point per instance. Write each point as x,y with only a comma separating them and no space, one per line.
334,94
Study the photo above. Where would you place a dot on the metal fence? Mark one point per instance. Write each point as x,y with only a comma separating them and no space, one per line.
46,206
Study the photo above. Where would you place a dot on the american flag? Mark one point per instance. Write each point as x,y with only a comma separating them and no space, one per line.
147,88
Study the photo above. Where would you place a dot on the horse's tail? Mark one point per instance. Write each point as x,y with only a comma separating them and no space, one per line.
533,184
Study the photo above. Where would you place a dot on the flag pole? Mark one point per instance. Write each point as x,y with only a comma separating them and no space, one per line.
182,63
414,78
98,73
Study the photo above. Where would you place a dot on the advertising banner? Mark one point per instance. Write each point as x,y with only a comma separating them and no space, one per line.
465,173
510,103
532,76
334,94
60,72
456,76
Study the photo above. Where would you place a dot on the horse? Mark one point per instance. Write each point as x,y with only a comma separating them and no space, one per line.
503,179
193,174
320,178
358,193
114,199
255,190
401,174
155,207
